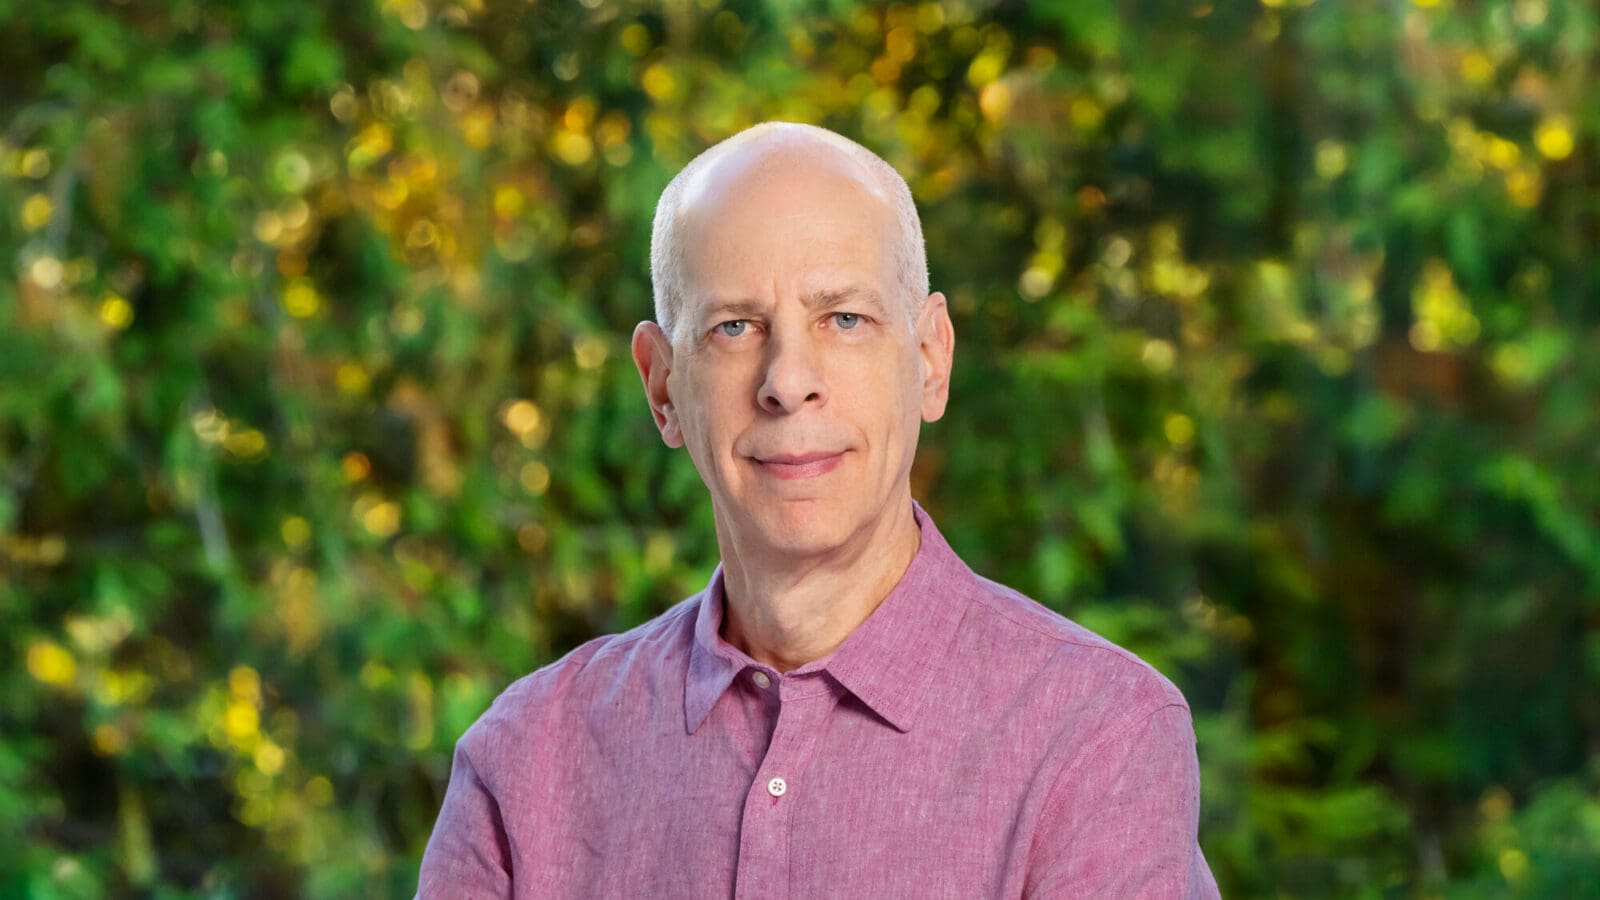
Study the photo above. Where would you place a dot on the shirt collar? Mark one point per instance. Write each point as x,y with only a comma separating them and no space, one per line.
887,662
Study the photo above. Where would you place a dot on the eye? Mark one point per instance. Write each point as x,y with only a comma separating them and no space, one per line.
846,320
733,327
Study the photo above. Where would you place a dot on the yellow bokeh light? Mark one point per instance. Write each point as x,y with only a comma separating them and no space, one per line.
1495,806
1086,113
412,13
1035,283
1525,186
579,114
319,790
535,477
36,212
1499,152
659,83
119,686
591,351
1332,159
477,126
241,722
343,104
508,201
635,39
371,144
1513,863
34,164
355,466
1179,429
352,379
381,519
422,234
900,44
1476,67
1530,13
521,416
390,194
1158,355
300,299
1553,137
244,683
46,272
995,101
269,757
571,147
268,227
613,129
256,811
116,312
1444,320
532,537
109,740
986,67
209,425
296,213
245,443
51,663
296,531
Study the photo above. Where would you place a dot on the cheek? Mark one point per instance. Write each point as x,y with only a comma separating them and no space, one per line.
714,415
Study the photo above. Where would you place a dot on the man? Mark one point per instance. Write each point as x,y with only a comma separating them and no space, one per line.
846,710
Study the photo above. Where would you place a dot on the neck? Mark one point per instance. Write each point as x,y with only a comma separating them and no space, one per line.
787,611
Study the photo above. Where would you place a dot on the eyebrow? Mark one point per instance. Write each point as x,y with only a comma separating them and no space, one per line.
825,299
837,297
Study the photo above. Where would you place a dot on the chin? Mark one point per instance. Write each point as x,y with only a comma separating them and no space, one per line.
805,527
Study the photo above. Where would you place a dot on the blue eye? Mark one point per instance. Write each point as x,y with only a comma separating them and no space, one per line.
847,321
733,328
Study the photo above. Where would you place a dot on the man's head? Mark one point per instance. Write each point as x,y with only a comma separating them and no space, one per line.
797,349
667,246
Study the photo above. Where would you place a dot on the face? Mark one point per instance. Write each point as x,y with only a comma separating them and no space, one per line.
796,383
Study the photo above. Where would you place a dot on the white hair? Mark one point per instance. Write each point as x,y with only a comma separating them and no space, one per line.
666,251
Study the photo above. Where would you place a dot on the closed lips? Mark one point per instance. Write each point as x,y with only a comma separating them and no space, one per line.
789,466
794,459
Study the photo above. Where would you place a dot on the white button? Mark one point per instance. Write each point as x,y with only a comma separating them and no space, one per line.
777,786
761,680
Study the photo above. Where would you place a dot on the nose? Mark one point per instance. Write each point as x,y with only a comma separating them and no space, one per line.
793,376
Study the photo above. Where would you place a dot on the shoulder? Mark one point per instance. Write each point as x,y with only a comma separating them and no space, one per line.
1062,657
534,705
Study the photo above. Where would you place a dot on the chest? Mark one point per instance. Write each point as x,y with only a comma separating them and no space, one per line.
808,798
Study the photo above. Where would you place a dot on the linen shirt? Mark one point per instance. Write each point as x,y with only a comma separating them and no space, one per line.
963,742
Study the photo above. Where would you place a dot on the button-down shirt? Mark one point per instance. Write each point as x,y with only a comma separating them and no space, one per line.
963,741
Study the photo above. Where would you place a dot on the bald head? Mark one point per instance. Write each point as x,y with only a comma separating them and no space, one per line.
782,156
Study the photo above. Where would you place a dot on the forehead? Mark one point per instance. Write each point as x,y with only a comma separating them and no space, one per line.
785,221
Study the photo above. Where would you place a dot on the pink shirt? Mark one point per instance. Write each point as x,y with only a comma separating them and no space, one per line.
963,742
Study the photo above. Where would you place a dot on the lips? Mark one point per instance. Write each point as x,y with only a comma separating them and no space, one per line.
792,466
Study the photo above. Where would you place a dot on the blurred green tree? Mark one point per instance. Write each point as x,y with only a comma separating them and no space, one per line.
1276,364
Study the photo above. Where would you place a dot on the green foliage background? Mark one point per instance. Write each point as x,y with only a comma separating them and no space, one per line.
1277,330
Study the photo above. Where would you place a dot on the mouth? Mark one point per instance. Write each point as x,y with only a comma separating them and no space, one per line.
794,466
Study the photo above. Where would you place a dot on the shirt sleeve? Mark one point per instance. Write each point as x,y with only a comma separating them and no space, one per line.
1122,820
468,854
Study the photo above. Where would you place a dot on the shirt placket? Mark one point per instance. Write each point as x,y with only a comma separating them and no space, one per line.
766,829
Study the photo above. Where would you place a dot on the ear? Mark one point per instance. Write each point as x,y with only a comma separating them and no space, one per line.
937,344
652,354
